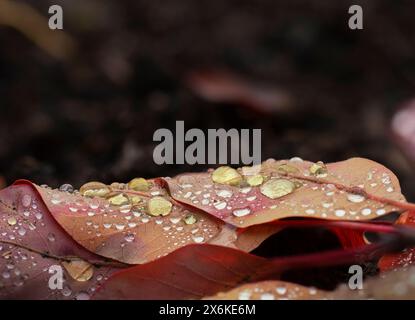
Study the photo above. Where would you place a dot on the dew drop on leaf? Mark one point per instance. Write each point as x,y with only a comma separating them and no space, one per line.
226,175
276,188
241,212
66,188
356,198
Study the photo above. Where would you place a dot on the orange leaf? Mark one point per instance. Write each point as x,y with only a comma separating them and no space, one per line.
355,189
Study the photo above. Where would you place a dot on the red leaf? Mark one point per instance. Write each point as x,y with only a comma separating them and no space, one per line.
31,242
196,271
405,258
130,235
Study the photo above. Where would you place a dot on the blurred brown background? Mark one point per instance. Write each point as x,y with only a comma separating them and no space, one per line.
83,103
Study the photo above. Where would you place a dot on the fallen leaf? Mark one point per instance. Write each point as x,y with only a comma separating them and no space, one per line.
270,290
407,256
127,232
31,242
355,189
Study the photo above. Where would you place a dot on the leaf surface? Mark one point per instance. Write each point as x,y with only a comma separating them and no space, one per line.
349,190
31,242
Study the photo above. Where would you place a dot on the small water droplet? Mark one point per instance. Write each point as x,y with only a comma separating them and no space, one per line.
340,212
356,198
66,188
51,237
241,212
26,200
198,239
267,296
21,231
366,211
82,296
244,295
281,290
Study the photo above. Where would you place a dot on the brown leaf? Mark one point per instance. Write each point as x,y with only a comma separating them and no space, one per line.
355,189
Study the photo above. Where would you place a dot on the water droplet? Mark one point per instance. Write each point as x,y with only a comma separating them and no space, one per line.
380,212
220,205
244,295
190,219
21,231
94,204
356,198
255,180
276,188
129,237
66,188
118,200
139,184
281,290
11,221
241,212
366,211
66,291
175,220
198,239
340,212
119,227
159,206
51,237
318,169
226,175
267,296
82,296
312,291
296,159
26,200
94,189
224,193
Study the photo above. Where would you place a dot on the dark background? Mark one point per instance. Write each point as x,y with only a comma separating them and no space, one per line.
83,104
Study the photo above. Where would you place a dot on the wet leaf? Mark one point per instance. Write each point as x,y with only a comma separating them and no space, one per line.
192,272
355,189
34,243
270,290
405,258
139,232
